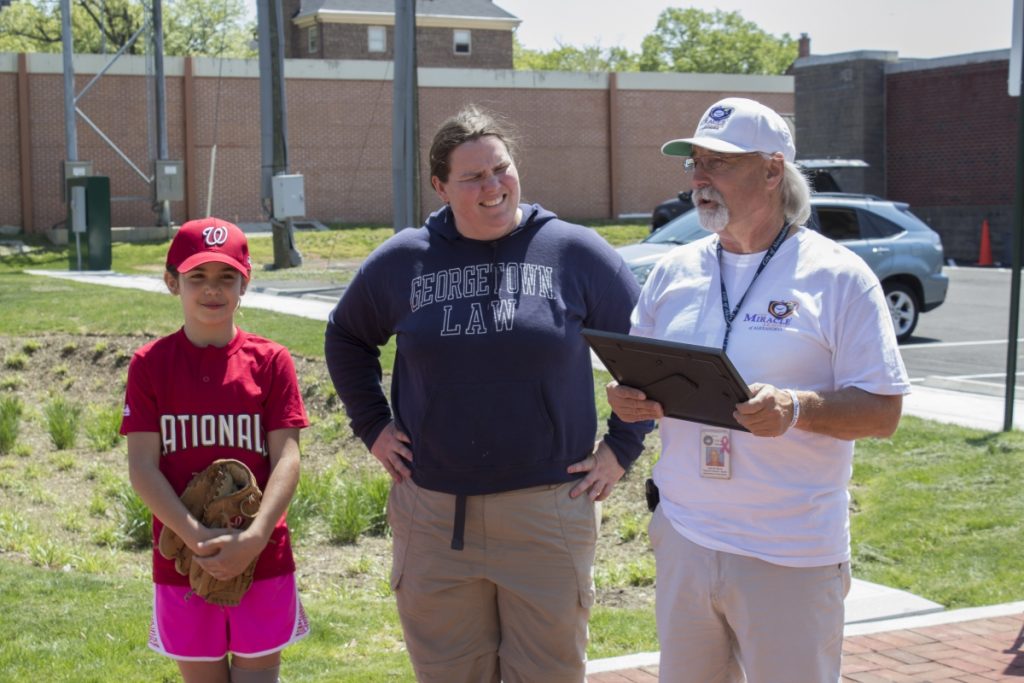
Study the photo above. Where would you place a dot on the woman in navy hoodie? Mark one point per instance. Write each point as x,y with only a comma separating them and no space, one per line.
489,436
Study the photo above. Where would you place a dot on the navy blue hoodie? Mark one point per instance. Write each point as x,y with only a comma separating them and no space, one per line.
492,380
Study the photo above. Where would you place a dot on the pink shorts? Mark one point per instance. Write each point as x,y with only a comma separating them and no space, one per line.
269,618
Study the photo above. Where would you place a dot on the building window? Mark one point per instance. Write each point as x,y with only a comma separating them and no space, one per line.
462,41
313,39
376,39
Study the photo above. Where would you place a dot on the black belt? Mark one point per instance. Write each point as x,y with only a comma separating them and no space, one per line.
459,526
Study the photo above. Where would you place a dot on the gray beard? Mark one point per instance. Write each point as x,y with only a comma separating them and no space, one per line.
715,219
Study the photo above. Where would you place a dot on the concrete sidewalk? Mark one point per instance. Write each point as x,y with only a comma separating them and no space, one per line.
258,296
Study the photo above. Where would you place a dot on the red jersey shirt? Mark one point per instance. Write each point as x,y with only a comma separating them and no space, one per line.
209,403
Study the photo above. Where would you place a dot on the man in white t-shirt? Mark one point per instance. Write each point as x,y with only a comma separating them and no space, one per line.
751,536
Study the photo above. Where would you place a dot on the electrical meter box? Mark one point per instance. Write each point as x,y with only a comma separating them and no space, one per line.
89,217
168,180
74,169
289,196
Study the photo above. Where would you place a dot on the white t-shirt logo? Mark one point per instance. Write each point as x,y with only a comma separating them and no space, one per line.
215,236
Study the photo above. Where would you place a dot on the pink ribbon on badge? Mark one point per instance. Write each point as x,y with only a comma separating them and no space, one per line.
725,444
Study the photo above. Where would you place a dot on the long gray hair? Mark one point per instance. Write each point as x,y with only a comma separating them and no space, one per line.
796,195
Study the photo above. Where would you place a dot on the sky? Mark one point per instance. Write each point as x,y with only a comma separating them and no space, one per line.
913,28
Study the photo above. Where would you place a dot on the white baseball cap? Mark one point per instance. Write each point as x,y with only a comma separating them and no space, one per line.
737,124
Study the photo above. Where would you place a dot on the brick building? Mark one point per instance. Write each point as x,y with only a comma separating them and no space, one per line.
940,134
463,34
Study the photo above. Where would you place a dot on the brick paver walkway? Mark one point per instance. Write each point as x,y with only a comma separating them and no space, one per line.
976,651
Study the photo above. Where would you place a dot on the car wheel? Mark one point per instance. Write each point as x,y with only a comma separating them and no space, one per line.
903,308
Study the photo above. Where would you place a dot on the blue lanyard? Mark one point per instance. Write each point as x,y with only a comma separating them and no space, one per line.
729,317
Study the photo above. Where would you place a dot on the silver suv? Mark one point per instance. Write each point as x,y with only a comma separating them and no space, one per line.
904,253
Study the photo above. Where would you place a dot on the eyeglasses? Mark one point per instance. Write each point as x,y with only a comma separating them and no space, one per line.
714,164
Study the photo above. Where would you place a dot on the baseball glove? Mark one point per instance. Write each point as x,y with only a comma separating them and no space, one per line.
224,495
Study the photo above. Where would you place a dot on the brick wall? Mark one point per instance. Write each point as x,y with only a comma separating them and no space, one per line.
952,149
226,112
488,49
649,119
939,134
434,46
952,135
339,119
347,41
10,167
563,161
840,114
118,106
294,38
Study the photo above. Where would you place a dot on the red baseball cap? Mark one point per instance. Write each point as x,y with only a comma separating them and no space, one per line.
209,239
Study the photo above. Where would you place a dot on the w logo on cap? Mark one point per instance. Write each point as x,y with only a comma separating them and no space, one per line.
215,236
209,239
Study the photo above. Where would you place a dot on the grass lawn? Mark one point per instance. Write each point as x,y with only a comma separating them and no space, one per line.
936,509
327,255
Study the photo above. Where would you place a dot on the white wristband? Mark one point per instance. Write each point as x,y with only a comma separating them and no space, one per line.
796,408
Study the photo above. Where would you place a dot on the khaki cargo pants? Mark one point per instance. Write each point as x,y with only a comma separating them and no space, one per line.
726,618
513,604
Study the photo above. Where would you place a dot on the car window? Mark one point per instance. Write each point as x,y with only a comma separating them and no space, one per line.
680,230
910,218
839,223
875,226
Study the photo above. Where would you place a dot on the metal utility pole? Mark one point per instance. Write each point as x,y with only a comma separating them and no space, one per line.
1018,217
404,128
274,124
70,122
160,99
70,132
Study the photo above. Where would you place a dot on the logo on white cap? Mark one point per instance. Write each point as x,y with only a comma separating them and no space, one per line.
215,236
716,118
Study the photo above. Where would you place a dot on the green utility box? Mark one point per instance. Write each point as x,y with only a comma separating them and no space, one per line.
88,205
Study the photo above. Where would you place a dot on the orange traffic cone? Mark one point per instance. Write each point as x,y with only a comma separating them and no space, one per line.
985,252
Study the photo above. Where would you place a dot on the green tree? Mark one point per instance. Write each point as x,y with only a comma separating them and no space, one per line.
35,27
208,27
592,58
191,27
621,59
692,40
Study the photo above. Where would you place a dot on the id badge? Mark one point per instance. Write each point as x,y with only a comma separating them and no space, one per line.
715,454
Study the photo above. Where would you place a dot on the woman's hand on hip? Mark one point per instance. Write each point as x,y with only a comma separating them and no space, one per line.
391,449
603,473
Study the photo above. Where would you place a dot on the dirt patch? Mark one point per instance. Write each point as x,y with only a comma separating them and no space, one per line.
67,492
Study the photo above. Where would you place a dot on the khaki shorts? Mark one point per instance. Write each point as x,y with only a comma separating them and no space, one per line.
513,604
726,618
